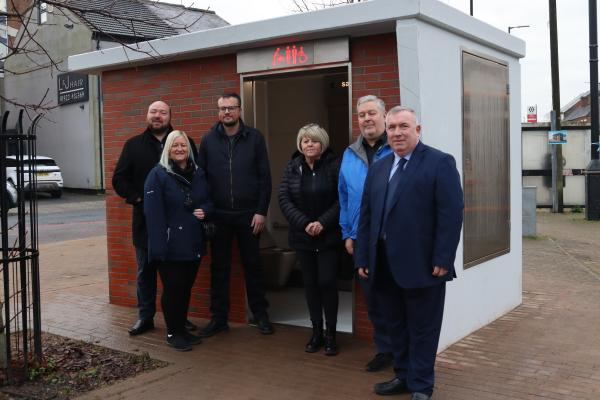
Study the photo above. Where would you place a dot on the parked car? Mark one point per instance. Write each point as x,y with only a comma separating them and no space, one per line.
49,177
11,195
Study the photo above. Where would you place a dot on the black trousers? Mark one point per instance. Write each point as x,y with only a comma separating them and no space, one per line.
319,275
178,278
220,269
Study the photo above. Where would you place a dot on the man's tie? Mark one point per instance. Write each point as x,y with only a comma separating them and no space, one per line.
391,189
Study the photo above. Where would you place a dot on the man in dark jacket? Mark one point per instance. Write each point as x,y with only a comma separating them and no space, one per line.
234,157
140,154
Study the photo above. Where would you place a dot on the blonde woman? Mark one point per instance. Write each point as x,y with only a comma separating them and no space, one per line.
308,197
175,202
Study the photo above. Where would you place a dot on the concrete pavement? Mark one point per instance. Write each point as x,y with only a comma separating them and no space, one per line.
547,348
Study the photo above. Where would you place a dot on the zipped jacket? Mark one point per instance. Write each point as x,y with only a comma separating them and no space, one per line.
237,170
300,211
353,172
140,154
174,233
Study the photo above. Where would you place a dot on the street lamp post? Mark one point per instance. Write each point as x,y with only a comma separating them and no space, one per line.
517,27
592,176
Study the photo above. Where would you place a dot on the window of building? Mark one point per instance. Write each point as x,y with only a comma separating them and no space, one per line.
486,158
43,12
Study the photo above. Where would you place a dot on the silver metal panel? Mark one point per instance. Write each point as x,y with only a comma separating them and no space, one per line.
486,162
293,55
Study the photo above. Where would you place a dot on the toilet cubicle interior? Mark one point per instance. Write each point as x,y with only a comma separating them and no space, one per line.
279,105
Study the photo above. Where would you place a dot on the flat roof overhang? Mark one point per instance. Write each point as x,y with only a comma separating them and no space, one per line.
352,20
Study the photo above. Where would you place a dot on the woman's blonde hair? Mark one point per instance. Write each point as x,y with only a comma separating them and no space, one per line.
164,157
315,132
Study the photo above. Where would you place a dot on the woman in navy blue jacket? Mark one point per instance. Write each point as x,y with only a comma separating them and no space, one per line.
175,202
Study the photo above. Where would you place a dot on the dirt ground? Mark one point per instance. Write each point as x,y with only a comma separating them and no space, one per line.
71,367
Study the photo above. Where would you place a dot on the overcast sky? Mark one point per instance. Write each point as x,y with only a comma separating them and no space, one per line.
573,38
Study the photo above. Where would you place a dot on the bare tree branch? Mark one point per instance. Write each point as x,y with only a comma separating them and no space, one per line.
112,21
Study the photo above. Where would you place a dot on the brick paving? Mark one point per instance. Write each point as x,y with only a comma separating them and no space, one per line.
547,348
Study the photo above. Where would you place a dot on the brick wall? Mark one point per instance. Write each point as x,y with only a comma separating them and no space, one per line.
192,89
374,71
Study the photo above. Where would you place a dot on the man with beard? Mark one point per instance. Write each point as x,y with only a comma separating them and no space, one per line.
234,157
140,154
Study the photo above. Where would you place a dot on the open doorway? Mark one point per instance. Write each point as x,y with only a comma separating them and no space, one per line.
279,105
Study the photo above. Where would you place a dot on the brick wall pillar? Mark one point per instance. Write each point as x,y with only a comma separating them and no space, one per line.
374,71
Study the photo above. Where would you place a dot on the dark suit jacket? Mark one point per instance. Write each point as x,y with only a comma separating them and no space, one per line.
422,227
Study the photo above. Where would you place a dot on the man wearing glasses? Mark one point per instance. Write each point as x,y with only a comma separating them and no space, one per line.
234,157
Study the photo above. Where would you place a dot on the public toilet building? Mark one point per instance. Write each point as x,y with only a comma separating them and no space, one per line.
461,75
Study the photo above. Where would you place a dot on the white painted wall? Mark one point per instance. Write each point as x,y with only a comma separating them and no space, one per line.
67,133
576,154
430,81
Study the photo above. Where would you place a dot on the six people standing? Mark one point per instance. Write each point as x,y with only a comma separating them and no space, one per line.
403,227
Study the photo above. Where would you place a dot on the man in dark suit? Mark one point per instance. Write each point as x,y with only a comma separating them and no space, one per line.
409,229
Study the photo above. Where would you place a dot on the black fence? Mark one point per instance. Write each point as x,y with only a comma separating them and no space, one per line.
20,321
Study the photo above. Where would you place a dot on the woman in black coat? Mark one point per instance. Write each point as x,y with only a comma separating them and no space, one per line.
175,202
308,197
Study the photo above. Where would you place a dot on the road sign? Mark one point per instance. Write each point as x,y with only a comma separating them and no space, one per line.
532,113
557,137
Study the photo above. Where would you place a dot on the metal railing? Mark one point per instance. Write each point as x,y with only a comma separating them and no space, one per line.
20,321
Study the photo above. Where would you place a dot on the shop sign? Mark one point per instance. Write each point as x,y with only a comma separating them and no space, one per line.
72,88
293,55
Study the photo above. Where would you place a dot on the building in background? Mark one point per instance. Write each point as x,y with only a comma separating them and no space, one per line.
71,130
578,110
537,161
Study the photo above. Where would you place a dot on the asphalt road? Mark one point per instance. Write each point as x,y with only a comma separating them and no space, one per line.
73,216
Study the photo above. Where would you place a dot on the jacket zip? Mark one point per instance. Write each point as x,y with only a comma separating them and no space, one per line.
231,172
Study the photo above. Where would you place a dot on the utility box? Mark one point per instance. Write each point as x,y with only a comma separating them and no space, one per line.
592,191
529,209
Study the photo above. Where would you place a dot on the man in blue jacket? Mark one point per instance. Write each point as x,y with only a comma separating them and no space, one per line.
409,228
370,146
234,157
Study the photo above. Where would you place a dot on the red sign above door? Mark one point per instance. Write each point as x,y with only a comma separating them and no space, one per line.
294,55
290,56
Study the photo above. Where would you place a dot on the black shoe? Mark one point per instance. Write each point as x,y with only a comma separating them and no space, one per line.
191,338
178,342
420,396
213,328
265,326
331,348
189,326
395,386
316,340
380,362
141,326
